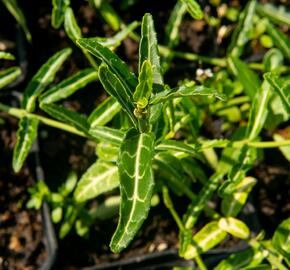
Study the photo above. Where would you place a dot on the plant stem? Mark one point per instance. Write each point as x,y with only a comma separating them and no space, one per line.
168,203
200,262
19,113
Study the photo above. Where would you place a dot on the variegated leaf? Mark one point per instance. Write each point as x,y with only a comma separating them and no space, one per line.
26,135
58,11
69,86
194,9
106,134
42,78
101,177
8,75
234,227
136,186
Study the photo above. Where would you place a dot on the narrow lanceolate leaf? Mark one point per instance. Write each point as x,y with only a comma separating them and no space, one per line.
284,149
6,56
8,75
178,146
70,25
281,239
195,208
115,64
194,9
208,237
280,40
242,33
101,177
116,40
109,14
62,114
277,14
69,86
104,112
106,134
236,261
136,186
144,87
14,9
26,135
58,11
282,90
246,76
43,77
233,203
185,91
148,50
234,227
116,89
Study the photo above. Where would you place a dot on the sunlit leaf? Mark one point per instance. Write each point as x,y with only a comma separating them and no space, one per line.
8,75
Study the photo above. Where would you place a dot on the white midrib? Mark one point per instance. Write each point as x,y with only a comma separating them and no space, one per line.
96,179
136,180
104,115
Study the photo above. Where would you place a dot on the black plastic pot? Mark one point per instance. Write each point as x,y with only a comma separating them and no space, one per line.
49,240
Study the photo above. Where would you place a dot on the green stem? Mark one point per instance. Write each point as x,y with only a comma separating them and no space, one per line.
200,262
19,113
168,203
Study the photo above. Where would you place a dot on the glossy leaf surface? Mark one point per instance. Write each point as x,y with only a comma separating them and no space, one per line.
184,91
148,49
234,227
43,77
62,114
136,186
8,75
69,86
104,112
100,177
116,89
194,9
58,11
106,134
209,236
26,135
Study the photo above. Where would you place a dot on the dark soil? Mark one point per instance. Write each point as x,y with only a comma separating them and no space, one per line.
21,233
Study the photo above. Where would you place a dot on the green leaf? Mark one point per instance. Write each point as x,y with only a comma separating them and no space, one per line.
144,87
42,78
208,237
69,86
64,115
281,239
116,89
70,25
58,11
6,56
178,146
169,168
284,149
107,151
280,40
194,209
68,221
136,186
17,13
233,203
106,134
101,177
114,63
8,75
184,91
194,9
280,89
234,227
243,33
26,135
148,50
277,14
115,41
273,59
68,186
109,15
246,76
236,260
56,214
104,112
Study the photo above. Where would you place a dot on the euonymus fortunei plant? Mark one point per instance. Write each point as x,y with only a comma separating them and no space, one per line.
142,155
